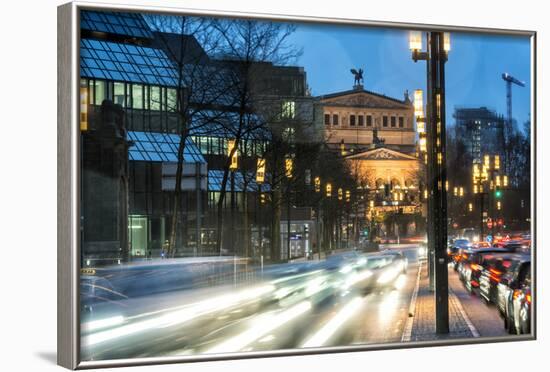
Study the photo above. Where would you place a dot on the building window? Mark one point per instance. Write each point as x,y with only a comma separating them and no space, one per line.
369,120
137,96
289,109
100,91
361,119
384,121
352,120
393,121
327,119
171,100
118,94
155,98
335,119
401,122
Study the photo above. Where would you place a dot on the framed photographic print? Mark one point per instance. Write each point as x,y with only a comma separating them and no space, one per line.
250,185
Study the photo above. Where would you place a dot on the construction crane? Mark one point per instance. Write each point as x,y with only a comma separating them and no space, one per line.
509,79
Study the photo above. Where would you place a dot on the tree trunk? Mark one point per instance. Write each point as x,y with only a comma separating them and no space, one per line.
177,196
276,225
219,221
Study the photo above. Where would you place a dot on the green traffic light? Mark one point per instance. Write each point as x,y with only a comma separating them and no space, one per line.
498,194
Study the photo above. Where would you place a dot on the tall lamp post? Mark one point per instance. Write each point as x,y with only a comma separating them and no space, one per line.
487,178
438,46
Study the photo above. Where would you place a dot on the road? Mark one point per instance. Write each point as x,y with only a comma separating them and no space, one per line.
299,306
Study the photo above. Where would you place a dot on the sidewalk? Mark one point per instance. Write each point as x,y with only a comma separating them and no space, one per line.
421,326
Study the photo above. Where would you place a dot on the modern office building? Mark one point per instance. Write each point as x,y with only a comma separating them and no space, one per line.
481,130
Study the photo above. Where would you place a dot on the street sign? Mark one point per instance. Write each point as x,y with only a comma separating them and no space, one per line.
489,238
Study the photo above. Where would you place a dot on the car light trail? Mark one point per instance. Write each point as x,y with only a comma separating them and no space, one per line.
186,314
102,323
401,281
262,327
388,307
355,278
321,337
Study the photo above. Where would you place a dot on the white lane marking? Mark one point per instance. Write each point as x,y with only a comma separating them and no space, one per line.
469,323
407,331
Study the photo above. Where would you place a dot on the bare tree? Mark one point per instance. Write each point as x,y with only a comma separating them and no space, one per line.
201,87
247,48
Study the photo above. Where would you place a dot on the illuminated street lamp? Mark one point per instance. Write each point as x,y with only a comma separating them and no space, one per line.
447,42
235,156
260,171
289,165
340,193
329,190
317,182
487,180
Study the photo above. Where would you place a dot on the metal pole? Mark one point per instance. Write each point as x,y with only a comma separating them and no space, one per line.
429,175
437,163
480,215
288,223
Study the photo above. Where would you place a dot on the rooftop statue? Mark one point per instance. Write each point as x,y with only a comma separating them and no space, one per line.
358,76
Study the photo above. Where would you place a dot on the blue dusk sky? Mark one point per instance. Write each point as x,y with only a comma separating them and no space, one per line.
473,71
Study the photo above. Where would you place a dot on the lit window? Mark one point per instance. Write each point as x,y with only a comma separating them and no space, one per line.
289,109
288,134
155,98
118,94
171,99
137,96
99,92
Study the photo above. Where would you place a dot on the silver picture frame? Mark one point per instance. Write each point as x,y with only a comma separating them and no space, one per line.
68,184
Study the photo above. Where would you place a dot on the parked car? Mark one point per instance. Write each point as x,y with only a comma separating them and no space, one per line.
520,319
476,262
491,275
514,297
455,250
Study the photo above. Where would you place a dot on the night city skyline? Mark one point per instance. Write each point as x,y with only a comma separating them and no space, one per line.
254,186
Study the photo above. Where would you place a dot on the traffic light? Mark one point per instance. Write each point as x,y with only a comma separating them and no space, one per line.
498,194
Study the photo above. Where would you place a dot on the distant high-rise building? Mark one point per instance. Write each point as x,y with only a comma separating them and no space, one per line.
481,130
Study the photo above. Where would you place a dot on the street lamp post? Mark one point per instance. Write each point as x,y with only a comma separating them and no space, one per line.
486,179
438,46
289,164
